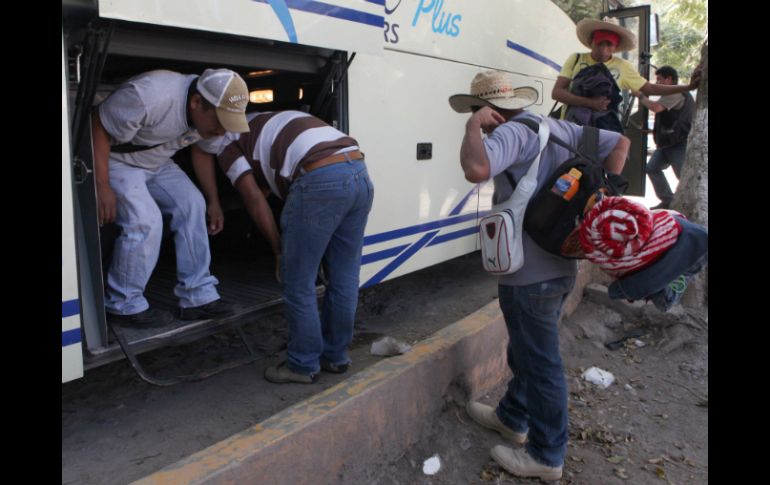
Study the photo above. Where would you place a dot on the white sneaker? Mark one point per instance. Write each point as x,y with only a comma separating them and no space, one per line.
487,417
520,463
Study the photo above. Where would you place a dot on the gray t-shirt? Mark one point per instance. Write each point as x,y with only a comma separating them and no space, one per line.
147,110
672,101
513,147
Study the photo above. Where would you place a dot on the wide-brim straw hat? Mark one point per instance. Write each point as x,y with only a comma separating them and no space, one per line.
497,89
586,27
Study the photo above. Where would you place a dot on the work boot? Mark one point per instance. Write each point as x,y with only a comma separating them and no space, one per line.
280,374
487,417
520,463
150,318
214,309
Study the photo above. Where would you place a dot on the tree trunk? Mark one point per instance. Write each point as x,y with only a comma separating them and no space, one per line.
691,198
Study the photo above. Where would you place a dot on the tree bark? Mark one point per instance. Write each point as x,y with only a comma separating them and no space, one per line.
691,198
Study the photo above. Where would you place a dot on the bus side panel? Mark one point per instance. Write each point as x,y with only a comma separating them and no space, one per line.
71,347
351,25
424,211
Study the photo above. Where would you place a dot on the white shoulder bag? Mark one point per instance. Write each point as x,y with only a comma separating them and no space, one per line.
501,231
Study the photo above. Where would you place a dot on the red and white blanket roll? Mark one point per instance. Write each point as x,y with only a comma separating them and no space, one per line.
622,236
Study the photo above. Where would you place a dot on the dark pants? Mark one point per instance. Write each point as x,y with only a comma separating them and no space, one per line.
536,400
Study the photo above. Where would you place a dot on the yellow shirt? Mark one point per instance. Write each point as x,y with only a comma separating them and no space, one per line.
622,71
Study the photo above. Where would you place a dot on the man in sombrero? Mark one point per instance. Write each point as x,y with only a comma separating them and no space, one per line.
604,38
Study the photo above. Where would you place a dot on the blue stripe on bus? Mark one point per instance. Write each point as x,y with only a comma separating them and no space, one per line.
69,308
408,231
534,55
282,12
70,337
454,235
384,254
376,2
462,202
332,11
384,272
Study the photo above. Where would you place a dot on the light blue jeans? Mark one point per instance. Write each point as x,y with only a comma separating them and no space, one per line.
536,399
143,197
323,220
660,160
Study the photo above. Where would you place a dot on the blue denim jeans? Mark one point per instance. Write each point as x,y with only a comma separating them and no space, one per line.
660,160
143,197
323,220
536,399
686,257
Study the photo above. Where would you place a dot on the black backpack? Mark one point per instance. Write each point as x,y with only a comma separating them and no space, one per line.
553,222
673,126
592,81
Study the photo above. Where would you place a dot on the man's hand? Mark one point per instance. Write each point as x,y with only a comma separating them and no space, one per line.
487,118
695,79
105,202
600,103
216,218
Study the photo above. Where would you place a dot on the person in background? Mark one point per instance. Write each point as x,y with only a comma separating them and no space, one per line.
605,38
673,121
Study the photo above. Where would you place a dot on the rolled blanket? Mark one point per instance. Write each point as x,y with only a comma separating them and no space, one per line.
622,236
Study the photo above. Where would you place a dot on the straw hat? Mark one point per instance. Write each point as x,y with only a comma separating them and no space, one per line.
586,27
497,89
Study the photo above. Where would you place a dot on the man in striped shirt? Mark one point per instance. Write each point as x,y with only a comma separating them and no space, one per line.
320,174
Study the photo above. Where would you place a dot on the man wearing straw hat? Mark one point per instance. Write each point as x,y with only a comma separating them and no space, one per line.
533,411
604,38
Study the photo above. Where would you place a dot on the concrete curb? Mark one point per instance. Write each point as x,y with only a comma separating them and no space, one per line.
366,420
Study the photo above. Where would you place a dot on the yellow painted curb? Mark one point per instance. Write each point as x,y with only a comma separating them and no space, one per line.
472,348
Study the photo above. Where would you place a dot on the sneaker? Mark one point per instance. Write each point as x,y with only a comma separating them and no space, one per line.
520,463
671,294
215,309
150,318
280,374
487,417
327,366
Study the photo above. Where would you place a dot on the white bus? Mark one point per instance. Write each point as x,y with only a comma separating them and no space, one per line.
381,70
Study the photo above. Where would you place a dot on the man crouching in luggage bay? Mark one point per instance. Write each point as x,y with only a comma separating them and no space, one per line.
320,174
533,412
136,130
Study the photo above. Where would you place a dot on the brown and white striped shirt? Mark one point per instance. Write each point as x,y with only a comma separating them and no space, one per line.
277,144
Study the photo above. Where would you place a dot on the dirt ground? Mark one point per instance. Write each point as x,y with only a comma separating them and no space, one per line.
116,428
650,426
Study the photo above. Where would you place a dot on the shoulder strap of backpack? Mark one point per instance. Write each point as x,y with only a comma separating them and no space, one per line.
589,143
553,108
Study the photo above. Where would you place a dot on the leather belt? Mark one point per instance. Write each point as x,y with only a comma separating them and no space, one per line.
340,157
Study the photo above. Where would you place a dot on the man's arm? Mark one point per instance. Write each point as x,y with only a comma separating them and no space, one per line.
653,106
203,165
261,214
664,89
473,155
562,94
105,197
617,158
